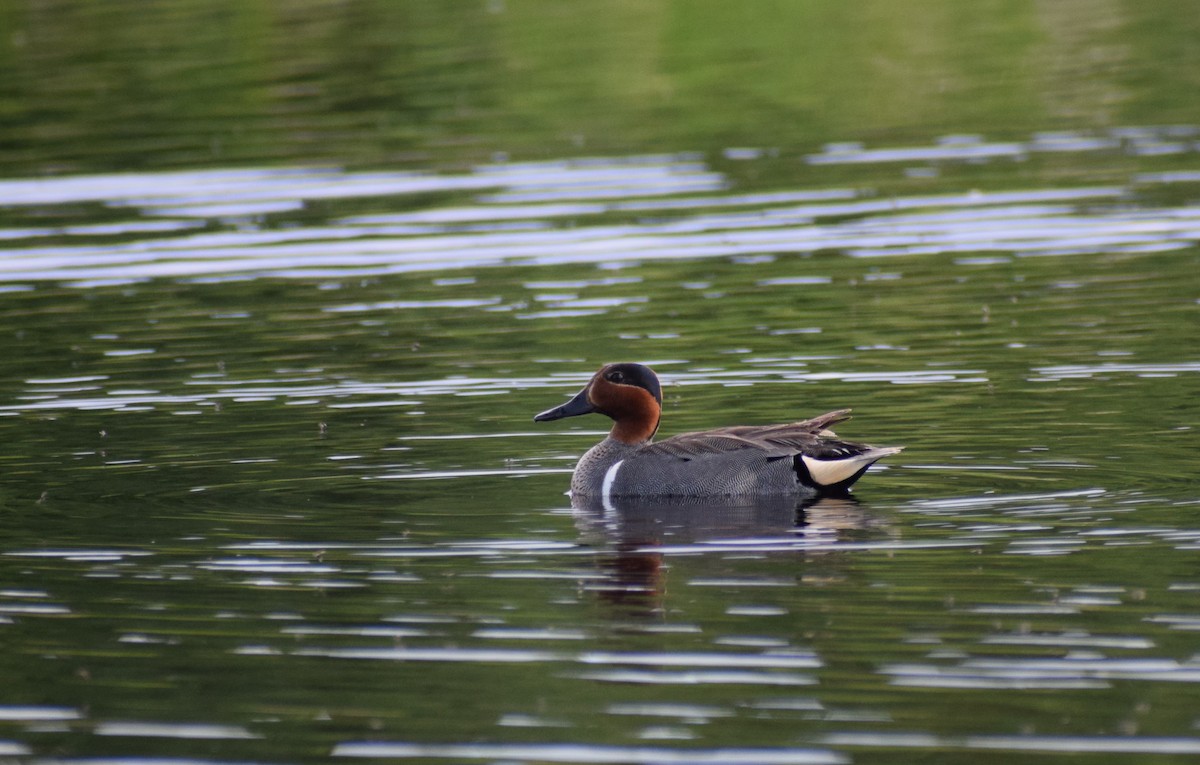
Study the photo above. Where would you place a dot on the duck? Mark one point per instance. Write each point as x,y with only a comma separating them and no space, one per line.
805,459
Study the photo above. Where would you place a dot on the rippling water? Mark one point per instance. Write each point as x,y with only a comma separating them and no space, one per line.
273,492
209,223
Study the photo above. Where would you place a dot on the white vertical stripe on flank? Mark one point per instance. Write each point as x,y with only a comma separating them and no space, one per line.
606,488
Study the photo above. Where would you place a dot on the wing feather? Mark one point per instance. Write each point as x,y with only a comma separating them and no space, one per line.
811,437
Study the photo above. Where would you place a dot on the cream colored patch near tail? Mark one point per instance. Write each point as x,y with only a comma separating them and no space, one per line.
831,472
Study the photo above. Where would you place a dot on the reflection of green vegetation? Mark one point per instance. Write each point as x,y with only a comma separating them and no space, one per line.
122,84
726,73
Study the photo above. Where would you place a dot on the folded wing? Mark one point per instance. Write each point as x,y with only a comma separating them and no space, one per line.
821,460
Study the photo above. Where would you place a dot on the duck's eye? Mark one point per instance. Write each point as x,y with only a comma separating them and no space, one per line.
616,377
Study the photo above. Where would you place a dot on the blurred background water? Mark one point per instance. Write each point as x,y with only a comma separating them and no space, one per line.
282,286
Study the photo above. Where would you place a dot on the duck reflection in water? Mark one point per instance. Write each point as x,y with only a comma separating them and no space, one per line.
637,535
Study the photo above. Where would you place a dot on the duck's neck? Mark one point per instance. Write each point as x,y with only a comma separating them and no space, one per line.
634,432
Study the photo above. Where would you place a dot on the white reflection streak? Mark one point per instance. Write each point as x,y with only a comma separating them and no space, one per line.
1032,743
1081,371
785,661
17,713
173,730
1071,672
715,668
698,677
590,753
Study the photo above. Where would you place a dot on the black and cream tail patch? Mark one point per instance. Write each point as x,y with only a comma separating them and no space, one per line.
834,475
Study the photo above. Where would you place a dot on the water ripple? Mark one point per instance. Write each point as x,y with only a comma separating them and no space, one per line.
209,391
522,213
590,753
1163,745
173,730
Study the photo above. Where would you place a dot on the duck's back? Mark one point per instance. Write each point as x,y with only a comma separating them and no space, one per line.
794,458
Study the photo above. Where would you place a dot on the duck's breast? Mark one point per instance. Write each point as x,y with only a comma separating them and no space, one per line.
597,465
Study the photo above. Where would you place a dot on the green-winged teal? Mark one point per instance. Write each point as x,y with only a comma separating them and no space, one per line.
801,458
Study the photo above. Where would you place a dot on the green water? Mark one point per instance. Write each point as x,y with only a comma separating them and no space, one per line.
118,86
281,288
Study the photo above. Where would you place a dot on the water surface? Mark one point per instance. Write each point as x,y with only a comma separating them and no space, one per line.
275,493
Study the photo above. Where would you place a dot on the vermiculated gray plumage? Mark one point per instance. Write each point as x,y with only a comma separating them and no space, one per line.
734,461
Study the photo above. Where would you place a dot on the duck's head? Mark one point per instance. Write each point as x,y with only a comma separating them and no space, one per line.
628,393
